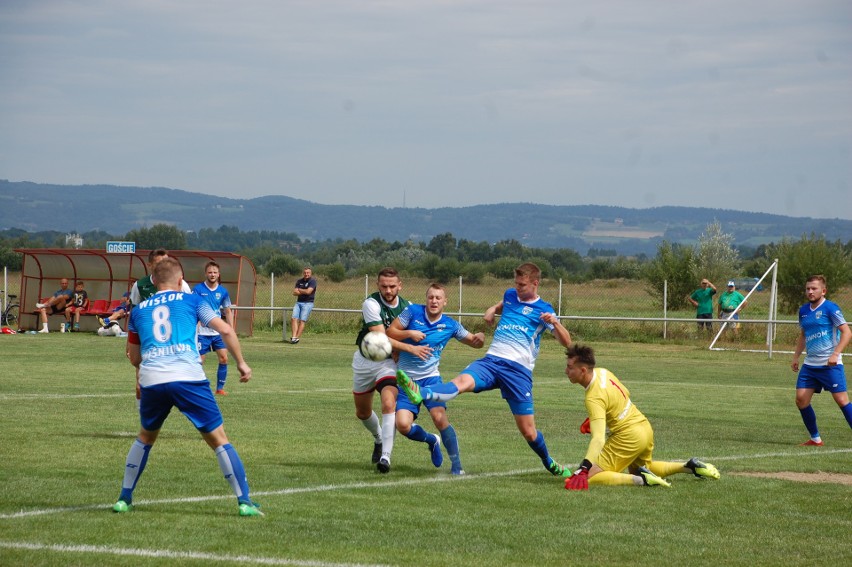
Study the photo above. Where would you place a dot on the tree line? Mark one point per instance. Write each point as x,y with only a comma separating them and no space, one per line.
445,258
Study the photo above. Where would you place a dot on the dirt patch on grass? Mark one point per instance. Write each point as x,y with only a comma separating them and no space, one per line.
824,477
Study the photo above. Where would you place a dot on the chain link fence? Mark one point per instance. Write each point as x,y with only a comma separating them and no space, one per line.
600,310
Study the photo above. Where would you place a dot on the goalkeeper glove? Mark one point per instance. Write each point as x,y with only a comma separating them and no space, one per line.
580,479
585,428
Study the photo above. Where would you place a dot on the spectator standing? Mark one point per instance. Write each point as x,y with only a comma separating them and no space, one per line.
305,291
730,301
702,300
209,339
55,304
824,334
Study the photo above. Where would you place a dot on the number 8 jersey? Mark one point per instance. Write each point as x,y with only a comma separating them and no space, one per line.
164,326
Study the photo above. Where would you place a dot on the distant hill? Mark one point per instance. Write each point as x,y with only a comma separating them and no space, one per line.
116,210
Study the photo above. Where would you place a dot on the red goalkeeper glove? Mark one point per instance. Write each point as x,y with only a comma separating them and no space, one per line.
578,481
585,428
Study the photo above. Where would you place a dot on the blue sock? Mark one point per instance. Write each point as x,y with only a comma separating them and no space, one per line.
221,376
451,443
235,474
137,457
417,433
540,448
847,412
809,417
441,392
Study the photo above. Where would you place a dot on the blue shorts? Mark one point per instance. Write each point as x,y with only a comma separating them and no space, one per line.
302,309
819,378
193,399
513,380
402,402
209,343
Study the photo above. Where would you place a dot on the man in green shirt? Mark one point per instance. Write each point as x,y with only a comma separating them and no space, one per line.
702,299
730,301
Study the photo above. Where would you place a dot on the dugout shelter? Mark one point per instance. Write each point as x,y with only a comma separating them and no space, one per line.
107,276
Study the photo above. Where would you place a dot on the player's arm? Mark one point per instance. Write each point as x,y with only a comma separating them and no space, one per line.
845,336
397,334
559,331
228,315
475,340
134,351
800,347
492,312
597,428
229,337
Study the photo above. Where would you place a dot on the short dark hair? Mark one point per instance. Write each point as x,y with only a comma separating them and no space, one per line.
157,252
210,263
817,278
388,272
584,354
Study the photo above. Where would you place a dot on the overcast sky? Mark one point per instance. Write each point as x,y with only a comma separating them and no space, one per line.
739,104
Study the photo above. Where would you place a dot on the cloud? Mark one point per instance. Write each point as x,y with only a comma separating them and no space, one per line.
451,102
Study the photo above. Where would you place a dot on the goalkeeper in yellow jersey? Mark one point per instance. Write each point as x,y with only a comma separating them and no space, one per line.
631,439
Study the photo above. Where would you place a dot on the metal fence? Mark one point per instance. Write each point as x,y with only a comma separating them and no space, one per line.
606,310
602,310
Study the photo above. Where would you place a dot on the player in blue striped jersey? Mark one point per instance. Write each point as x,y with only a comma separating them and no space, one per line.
161,343
824,334
510,359
426,325
208,339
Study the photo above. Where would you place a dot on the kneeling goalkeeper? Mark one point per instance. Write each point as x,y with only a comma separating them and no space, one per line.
631,440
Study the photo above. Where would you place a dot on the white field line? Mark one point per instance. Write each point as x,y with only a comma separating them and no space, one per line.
377,485
167,554
16,397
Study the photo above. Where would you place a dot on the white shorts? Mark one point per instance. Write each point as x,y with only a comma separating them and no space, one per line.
368,375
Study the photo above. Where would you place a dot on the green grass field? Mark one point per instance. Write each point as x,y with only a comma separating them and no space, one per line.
67,416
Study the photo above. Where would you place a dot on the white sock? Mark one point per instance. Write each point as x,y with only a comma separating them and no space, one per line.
372,425
44,326
388,432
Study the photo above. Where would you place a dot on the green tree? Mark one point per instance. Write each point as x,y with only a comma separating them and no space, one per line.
443,245
158,236
797,260
716,258
675,267
281,264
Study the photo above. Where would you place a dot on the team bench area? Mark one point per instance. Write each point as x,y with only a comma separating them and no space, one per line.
96,308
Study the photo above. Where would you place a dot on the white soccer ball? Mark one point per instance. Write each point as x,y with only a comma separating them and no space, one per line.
376,346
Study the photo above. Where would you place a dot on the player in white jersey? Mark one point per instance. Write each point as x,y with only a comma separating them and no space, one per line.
824,334
510,359
208,339
161,343
426,325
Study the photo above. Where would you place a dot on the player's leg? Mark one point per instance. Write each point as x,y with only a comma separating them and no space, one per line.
806,386
363,386
388,394
152,415
134,465
196,402
232,469
222,369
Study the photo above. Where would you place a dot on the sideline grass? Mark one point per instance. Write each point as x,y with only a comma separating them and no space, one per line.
67,416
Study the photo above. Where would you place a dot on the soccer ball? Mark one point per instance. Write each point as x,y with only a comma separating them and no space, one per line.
376,346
